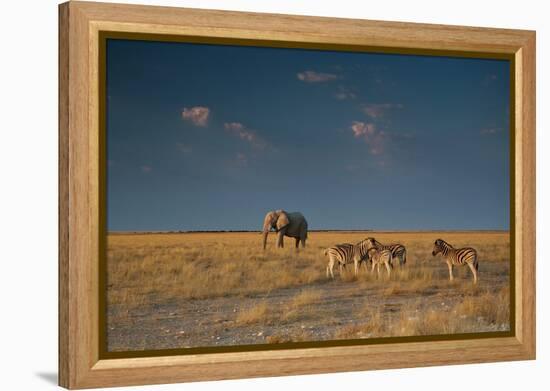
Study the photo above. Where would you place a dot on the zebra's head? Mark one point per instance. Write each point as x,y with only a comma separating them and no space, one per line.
438,247
370,242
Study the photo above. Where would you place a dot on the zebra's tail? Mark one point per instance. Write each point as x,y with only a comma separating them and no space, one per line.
325,252
476,265
404,257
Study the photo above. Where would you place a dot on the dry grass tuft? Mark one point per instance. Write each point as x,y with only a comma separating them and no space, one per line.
491,308
306,297
300,306
277,338
299,335
256,314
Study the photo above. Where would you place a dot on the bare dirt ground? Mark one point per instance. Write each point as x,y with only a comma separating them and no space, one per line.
218,289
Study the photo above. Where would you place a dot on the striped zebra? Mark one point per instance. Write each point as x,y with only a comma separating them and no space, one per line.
398,251
379,256
457,256
346,253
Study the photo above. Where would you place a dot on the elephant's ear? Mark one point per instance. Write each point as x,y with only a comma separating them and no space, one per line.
268,221
282,220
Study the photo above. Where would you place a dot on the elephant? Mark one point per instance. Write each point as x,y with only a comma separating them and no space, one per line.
292,224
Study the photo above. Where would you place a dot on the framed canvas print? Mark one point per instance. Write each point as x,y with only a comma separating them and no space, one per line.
249,195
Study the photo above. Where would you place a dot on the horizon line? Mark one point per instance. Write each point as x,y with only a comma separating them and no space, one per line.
311,230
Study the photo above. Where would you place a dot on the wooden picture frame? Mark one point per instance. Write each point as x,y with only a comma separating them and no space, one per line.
80,201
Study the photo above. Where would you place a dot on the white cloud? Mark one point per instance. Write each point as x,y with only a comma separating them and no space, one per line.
375,139
316,77
344,93
378,110
237,129
361,129
198,115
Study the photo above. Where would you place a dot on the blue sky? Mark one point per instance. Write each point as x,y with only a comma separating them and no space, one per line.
211,137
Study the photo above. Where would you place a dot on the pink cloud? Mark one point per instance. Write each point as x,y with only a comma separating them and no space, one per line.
489,131
344,93
242,159
146,169
316,77
377,110
239,130
198,115
362,129
375,139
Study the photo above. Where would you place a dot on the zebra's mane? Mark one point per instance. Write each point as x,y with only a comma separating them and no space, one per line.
445,244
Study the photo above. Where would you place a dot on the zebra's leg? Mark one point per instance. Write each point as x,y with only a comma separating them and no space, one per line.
341,268
450,266
388,268
356,266
474,271
331,266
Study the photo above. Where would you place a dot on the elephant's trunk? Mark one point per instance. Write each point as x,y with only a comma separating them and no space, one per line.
265,238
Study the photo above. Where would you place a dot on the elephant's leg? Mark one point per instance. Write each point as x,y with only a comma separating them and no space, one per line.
303,242
297,243
280,237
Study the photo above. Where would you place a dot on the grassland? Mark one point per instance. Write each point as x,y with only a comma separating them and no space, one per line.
209,289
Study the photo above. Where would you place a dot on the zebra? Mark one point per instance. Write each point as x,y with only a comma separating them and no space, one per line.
346,253
378,256
397,250
457,256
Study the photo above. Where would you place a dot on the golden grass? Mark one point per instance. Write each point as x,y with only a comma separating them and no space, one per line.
306,297
300,335
489,311
196,266
300,306
202,265
374,323
150,269
255,314
492,307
